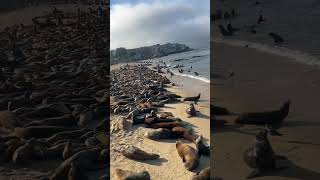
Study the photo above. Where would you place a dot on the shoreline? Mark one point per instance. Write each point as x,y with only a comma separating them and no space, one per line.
169,165
262,82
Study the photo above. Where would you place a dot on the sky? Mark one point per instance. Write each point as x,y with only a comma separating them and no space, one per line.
137,23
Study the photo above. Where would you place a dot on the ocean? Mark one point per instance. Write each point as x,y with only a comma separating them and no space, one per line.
295,20
198,59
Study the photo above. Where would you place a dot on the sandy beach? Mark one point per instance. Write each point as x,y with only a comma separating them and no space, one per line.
263,82
169,165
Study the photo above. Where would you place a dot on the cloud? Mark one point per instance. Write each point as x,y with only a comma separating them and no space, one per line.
160,21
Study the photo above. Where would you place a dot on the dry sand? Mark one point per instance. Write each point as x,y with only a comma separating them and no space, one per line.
263,82
170,165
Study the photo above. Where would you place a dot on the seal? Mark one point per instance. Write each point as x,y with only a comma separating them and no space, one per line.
135,153
263,118
191,111
188,155
202,148
194,98
38,131
160,133
167,125
261,156
202,175
126,175
179,132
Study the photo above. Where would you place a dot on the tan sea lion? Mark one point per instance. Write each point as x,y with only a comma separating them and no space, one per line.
135,153
188,155
130,175
183,132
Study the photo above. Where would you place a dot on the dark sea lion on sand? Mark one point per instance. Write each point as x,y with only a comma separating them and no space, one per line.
160,133
130,175
268,117
188,154
202,175
261,156
193,98
202,148
191,111
167,125
135,153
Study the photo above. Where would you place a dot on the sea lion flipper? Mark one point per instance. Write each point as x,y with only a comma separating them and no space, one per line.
255,173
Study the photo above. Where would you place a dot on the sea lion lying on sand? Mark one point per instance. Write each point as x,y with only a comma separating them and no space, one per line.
167,125
188,155
38,131
130,175
202,175
135,153
195,98
262,118
261,156
160,133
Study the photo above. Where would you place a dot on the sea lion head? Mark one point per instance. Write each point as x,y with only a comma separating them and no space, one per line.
262,135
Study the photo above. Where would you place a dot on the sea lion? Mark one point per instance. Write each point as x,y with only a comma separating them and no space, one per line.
262,118
191,111
130,175
188,155
194,98
135,153
261,156
9,120
202,175
29,150
66,120
181,132
167,125
201,147
160,133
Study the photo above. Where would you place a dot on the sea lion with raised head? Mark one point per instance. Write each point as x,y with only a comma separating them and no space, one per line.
191,111
201,147
121,174
263,118
160,133
188,155
261,156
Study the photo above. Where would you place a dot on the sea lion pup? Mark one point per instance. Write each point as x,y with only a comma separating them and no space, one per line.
201,147
195,98
217,110
167,125
261,156
160,133
130,175
135,153
202,175
188,154
191,111
268,117
276,38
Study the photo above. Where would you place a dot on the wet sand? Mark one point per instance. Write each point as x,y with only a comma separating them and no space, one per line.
170,165
263,82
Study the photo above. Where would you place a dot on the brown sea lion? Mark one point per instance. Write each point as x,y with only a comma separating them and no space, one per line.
262,118
188,155
202,175
179,132
160,133
135,153
130,175
261,156
167,125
